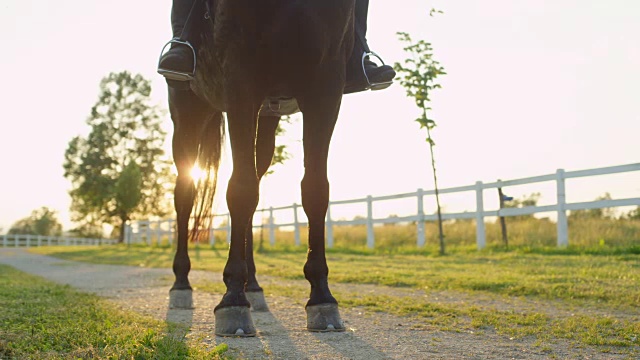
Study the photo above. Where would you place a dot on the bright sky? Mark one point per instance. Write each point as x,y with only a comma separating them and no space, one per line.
532,86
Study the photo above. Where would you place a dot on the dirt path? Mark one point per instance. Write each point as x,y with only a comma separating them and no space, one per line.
281,333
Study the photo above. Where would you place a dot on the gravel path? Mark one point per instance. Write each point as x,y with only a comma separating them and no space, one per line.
281,333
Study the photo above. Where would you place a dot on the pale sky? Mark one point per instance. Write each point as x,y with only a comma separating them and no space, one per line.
532,86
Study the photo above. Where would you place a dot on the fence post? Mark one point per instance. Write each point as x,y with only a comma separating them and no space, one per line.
158,232
370,235
296,226
503,221
420,223
563,228
48,240
480,230
39,240
5,240
229,228
329,227
148,232
272,229
16,239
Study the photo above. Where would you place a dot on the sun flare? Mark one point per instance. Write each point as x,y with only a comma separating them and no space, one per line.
197,174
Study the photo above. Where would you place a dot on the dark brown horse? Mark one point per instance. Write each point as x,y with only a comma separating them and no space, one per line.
254,55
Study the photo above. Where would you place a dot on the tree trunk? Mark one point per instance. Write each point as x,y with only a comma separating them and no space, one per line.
122,229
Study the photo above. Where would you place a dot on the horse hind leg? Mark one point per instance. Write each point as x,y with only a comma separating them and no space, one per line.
265,147
189,115
320,114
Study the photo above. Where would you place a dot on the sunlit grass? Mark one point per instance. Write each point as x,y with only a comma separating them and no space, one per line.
43,320
585,234
583,330
605,279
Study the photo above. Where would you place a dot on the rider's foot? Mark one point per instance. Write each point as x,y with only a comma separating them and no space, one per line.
177,63
378,74
378,77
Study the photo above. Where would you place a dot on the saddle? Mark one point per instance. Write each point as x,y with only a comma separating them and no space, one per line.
357,79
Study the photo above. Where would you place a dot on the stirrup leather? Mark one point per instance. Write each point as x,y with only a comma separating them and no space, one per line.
178,75
374,86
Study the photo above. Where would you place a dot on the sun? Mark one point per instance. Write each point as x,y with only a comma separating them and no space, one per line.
197,174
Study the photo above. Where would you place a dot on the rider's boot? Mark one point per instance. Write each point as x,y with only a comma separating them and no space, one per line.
362,73
178,63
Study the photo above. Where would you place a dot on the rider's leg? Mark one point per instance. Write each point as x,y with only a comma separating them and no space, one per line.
176,63
375,74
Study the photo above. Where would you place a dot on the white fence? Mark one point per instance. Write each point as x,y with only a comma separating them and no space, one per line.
145,231
16,240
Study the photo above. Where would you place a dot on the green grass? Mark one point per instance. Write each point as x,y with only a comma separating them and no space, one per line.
605,279
43,320
603,282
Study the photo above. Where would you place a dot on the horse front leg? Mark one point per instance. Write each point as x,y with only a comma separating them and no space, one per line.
232,314
320,114
265,147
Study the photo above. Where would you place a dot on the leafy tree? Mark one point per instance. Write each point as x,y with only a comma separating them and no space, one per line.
418,75
119,171
280,154
525,201
88,230
634,214
43,221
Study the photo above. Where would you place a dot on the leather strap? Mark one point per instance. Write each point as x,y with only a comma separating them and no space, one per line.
360,37
197,9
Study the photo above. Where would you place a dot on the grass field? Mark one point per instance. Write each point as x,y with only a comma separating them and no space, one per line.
601,287
43,320
522,231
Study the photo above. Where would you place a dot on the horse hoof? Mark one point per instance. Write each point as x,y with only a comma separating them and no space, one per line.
256,298
181,299
324,318
234,321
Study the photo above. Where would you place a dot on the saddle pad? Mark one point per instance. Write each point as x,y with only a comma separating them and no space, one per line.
279,107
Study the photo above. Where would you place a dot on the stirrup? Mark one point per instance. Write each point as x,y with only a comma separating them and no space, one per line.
363,83
374,86
177,75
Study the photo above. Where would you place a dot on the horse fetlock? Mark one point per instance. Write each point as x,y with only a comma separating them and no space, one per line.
181,285
235,274
234,298
316,269
320,295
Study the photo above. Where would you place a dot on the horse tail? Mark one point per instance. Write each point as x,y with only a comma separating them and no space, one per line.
210,145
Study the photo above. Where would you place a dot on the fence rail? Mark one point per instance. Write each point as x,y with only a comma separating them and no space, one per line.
144,231
19,240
